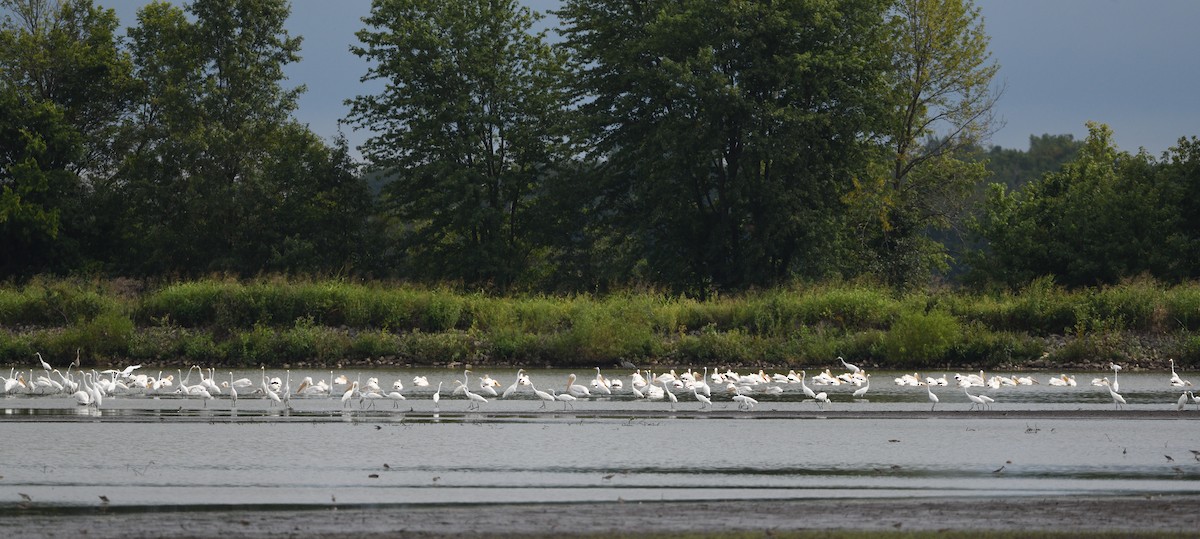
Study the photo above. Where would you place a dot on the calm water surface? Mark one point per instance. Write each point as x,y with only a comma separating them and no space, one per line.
165,450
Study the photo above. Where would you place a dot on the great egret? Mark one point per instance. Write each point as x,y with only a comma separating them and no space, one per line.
513,388
975,401
437,396
850,366
744,402
546,397
932,398
821,397
1118,400
349,394
232,391
566,398
808,392
863,391
600,383
1182,402
47,367
670,396
1176,381
705,402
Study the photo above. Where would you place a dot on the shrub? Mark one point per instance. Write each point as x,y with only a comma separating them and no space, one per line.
917,337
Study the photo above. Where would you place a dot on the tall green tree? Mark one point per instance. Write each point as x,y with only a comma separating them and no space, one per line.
724,135
466,129
943,104
64,85
1103,217
218,175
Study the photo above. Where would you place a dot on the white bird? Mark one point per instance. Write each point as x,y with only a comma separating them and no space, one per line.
849,366
83,396
486,386
863,391
744,402
705,402
566,398
576,390
47,367
808,392
513,388
670,396
600,383
1182,402
349,394
1176,381
546,397
975,401
233,395
476,400
932,398
821,397
420,381
437,395
1118,400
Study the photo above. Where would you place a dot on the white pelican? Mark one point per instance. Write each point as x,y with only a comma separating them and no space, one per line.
576,390
420,381
485,385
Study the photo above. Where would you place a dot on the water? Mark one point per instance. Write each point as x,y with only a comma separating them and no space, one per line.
169,451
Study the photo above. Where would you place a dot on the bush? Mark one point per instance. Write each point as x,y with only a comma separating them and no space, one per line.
920,338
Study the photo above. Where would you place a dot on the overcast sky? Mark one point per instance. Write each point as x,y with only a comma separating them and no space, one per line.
1133,64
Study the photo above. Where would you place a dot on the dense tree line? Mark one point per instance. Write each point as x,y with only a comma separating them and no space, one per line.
697,146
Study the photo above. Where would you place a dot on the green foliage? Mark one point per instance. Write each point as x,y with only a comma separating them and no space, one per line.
1103,217
276,321
941,106
723,134
465,131
921,338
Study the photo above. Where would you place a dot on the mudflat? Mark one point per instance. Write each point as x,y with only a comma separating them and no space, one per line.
1170,515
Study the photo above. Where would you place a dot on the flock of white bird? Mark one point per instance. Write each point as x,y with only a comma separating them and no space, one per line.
90,388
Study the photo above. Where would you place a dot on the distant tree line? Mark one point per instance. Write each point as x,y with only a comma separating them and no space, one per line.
696,146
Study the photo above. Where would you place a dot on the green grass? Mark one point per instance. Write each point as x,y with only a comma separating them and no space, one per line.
277,320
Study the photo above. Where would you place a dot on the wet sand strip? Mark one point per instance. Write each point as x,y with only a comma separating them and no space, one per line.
633,414
1076,515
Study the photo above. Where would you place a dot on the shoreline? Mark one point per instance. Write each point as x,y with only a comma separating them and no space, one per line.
1061,514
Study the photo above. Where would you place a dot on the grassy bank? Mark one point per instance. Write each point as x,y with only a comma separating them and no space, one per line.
286,321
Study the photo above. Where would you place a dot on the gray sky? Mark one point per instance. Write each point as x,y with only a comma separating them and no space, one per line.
1132,64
